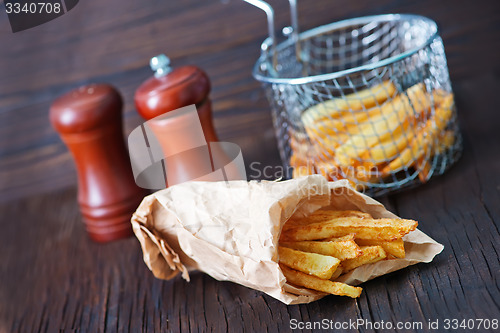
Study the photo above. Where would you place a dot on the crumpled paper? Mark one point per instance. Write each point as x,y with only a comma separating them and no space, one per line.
230,230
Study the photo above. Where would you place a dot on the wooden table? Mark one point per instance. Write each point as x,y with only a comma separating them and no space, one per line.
52,277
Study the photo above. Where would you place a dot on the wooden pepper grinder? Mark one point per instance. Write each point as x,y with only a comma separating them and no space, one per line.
89,122
172,89
183,135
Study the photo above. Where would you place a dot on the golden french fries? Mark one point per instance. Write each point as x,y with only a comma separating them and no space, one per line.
425,138
322,215
310,263
368,136
313,282
316,250
343,249
361,100
379,229
394,116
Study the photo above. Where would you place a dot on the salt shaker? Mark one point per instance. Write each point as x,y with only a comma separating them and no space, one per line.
89,121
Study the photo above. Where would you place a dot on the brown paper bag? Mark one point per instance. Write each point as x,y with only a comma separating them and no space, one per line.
230,230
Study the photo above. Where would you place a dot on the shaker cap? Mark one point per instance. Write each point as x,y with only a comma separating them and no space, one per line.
170,89
86,108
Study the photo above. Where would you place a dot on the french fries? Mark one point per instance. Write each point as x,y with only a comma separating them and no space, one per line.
368,136
313,282
325,213
394,116
361,100
378,229
343,249
322,215
424,139
316,250
311,263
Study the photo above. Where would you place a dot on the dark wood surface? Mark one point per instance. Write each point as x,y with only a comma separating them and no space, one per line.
53,277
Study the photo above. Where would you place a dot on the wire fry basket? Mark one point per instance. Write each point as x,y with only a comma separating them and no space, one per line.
367,99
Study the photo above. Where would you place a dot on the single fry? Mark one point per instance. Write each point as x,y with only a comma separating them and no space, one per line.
343,249
378,229
325,214
424,169
371,254
315,283
361,100
310,263
396,247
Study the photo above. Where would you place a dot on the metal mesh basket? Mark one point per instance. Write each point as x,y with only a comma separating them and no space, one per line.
367,99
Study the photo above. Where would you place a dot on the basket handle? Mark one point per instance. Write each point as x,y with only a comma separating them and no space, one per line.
295,27
270,24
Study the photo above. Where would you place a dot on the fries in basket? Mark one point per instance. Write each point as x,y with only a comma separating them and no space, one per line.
369,136
316,250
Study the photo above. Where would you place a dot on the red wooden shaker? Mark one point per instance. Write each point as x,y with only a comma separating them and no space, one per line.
183,137
171,89
89,122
